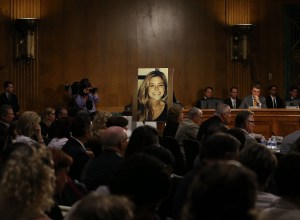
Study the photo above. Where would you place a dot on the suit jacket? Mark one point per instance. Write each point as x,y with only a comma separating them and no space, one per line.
187,129
248,102
13,101
229,102
78,153
279,102
101,169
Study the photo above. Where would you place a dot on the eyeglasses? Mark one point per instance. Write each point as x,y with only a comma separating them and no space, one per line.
251,121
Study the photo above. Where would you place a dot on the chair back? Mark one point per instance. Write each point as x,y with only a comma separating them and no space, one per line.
173,146
191,150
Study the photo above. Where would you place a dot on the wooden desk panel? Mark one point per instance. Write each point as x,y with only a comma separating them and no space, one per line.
268,122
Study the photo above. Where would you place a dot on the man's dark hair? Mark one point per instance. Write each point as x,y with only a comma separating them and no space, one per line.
6,84
208,87
233,87
80,124
4,109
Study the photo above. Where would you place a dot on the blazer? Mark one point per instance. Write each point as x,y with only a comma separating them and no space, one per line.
228,102
80,158
279,102
248,102
13,101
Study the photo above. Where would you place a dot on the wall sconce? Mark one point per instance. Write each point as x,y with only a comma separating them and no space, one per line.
239,41
25,40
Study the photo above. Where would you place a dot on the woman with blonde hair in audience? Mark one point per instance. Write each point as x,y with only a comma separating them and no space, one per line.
29,129
27,184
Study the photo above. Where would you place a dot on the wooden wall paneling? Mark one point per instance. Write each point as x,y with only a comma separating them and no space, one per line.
25,74
5,30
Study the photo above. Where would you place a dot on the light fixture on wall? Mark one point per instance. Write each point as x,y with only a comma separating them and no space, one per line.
25,37
239,41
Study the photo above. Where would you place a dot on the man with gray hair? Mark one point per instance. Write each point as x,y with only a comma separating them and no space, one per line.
222,115
189,127
100,170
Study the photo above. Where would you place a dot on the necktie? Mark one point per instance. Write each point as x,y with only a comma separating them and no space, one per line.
274,103
8,97
233,104
254,103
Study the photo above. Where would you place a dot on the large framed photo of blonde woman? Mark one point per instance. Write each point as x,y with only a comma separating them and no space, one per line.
154,94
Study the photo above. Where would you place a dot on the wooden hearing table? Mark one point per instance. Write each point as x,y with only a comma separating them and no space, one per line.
268,122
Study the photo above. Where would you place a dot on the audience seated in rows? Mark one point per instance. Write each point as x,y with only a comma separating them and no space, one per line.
99,170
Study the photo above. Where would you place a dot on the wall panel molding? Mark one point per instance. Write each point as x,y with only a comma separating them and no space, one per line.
25,74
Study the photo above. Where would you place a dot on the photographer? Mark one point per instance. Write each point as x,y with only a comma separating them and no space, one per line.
87,97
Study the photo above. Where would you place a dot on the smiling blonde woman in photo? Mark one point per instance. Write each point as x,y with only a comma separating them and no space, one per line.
152,97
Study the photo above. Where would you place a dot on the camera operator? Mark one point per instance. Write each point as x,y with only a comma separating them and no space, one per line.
87,97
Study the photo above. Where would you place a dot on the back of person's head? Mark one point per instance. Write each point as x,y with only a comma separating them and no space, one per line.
80,125
117,121
61,112
143,178
161,153
112,137
221,190
173,114
220,146
214,128
95,206
287,175
62,127
261,161
100,119
27,183
193,112
241,118
238,134
27,123
221,109
140,138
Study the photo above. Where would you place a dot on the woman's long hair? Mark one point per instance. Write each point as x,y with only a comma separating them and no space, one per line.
144,106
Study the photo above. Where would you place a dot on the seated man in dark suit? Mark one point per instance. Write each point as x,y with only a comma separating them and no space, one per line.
233,101
8,97
81,130
293,93
208,94
254,100
100,170
273,100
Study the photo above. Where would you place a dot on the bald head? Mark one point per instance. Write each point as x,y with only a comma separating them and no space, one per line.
113,137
